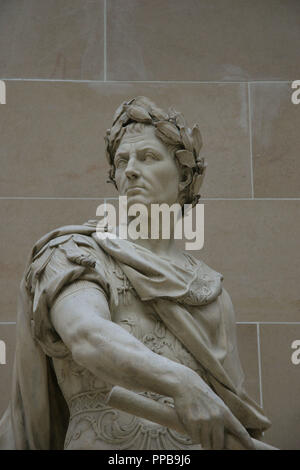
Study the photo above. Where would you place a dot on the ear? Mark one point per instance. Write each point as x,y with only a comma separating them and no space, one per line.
186,176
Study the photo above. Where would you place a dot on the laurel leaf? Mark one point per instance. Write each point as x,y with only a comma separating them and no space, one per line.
201,165
187,142
172,113
185,158
114,131
138,114
158,114
198,183
197,139
124,119
180,121
118,138
119,111
108,157
163,137
170,131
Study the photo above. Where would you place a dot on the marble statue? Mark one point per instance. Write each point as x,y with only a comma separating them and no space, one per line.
130,344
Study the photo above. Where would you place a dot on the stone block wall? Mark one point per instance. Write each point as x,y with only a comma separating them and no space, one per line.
226,64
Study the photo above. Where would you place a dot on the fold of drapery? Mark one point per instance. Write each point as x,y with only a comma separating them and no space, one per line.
153,276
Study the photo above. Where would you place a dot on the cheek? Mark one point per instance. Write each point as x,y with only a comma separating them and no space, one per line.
169,177
167,182
119,177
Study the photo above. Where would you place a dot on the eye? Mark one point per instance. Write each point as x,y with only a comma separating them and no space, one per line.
149,155
121,162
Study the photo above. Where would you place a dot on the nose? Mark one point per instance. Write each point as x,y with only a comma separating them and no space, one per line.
132,172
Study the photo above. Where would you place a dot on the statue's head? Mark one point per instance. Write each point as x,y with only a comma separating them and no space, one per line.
153,155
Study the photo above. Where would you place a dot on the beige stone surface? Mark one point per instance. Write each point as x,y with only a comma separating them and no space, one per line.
276,143
203,40
281,385
53,39
59,149
255,245
7,334
25,222
52,145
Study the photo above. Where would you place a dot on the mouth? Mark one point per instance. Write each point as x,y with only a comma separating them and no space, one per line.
133,189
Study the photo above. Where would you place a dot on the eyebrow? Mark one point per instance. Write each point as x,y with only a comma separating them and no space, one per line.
121,154
124,153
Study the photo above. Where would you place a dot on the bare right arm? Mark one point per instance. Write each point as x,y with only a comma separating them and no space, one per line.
82,319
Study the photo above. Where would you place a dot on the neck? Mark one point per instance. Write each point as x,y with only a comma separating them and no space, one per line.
159,247
160,243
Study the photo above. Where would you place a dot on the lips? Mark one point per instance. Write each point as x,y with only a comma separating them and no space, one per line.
134,188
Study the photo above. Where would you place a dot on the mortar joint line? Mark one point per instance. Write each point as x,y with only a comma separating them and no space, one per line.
105,41
187,82
250,140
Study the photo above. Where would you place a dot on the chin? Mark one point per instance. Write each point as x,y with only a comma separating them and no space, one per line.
137,199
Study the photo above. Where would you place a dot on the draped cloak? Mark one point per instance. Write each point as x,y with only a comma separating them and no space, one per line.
38,416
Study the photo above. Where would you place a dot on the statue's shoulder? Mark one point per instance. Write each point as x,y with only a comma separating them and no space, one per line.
67,256
61,250
82,234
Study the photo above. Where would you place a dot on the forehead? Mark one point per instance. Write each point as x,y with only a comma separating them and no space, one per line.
145,138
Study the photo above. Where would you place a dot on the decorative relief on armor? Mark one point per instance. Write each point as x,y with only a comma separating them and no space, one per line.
158,338
130,325
67,367
90,401
122,431
124,290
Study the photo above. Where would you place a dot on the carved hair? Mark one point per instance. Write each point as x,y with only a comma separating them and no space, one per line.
171,128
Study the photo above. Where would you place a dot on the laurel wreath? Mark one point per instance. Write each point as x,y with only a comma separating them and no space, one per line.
171,128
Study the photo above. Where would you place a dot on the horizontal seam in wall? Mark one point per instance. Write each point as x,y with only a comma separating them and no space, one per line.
53,198
116,198
236,199
187,82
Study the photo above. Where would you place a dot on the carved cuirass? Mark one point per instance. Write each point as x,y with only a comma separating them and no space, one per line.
93,424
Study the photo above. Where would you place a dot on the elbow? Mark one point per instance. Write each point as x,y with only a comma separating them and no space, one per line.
80,355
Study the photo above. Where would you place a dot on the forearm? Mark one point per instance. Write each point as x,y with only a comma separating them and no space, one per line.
112,353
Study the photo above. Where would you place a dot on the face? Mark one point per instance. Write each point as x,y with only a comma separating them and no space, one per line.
146,171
